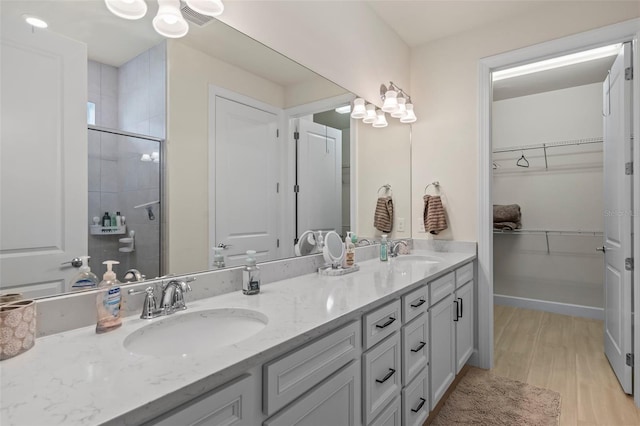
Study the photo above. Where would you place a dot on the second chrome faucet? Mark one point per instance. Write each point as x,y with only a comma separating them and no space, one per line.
172,298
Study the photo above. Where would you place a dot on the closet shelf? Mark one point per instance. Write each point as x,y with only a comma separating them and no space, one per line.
547,232
546,145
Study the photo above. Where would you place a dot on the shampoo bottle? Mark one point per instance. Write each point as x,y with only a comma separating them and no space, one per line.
85,278
251,275
384,246
108,300
106,220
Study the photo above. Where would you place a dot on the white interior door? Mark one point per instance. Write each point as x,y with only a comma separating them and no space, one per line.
43,159
319,177
246,181
618,218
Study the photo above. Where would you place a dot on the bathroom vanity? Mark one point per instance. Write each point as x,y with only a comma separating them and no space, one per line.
380,346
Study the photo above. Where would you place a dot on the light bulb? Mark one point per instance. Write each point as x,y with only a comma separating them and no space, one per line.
127,9
359,111
371,116
381,120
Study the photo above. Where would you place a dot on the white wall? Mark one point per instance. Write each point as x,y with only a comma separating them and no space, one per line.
567,196
444,88
382,157
345,42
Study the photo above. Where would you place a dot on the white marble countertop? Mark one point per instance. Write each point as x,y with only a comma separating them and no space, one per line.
81,378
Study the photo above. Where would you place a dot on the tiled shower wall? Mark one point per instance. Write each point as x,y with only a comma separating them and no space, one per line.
129,98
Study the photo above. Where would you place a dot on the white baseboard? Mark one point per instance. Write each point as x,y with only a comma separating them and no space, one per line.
554,307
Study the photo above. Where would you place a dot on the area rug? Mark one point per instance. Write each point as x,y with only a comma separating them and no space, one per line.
482,398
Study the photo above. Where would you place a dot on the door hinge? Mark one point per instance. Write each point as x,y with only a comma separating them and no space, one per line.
296,135
277,187
630,360
628,168
628,264
278,242
628,73
296,188
277,133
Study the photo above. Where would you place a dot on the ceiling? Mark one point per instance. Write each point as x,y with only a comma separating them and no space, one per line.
114,41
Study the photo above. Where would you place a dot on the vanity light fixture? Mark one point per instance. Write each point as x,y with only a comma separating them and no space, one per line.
381,119
397,102
34,21
169,21
371,116
359,110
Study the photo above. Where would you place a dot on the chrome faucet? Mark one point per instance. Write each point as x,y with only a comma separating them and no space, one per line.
172,298
133,275
394,247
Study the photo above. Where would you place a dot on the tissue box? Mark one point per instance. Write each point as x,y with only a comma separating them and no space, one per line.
17,327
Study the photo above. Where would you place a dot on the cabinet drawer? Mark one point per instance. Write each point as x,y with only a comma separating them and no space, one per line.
288,377
415,303
391,416
382,380
231,404
464,274
334,402
441,288
381,323
415,401
415,347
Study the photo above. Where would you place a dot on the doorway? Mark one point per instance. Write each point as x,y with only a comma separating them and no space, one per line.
613,34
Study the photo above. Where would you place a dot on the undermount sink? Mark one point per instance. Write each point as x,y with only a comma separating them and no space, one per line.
187,333
419,258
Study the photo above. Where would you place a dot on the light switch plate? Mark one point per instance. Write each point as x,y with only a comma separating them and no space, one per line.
400,224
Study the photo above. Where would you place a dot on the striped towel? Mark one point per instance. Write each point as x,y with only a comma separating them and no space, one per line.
383,218
434,217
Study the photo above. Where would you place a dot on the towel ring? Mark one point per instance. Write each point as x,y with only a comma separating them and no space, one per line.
387,189
435,184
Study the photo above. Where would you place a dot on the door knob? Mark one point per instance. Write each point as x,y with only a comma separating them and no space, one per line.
602,249
76,262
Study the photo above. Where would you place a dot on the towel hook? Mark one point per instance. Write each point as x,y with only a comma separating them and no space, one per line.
387,189
436,184
522,161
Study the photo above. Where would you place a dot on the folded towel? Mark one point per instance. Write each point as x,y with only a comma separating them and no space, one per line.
433,215
383,217
506,213
507,226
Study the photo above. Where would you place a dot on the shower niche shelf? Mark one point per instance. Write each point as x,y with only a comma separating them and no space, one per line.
107,230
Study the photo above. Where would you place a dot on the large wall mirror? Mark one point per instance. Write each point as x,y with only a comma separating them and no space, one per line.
209,140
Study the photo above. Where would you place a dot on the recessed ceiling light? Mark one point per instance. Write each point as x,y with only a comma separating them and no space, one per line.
35,21
561,61
344,109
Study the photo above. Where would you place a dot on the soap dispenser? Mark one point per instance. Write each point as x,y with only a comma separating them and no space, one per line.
218,257
85,278
108,300
384,248
251,275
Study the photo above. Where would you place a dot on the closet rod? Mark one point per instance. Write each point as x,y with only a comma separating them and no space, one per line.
549,145
547,232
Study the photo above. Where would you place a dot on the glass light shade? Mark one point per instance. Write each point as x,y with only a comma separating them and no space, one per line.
410,117
359,111
207,7
390,101
34,21
402,109
169,21
371,116
127,9
381,120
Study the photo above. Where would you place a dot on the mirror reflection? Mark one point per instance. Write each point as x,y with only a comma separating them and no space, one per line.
179,146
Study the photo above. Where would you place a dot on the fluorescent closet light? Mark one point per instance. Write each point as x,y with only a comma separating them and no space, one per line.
344,109
561,61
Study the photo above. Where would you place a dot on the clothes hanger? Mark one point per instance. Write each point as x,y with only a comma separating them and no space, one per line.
522,161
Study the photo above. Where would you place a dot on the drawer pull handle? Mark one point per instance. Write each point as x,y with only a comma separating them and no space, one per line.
420,303
387,377
386,324
420,346
422,401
